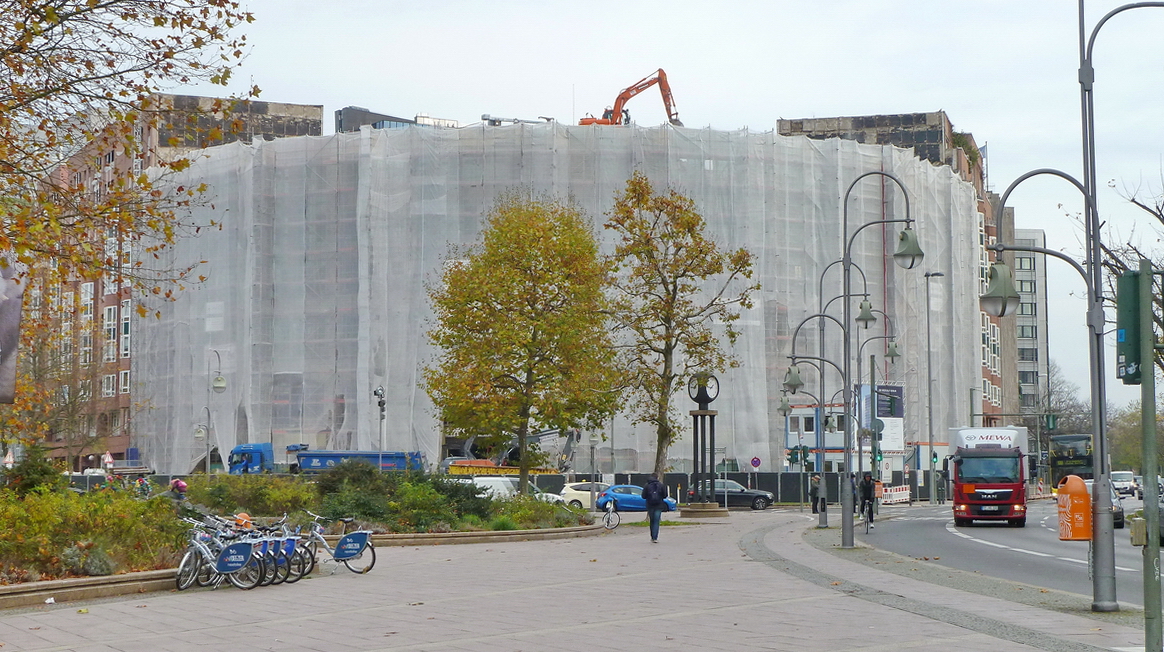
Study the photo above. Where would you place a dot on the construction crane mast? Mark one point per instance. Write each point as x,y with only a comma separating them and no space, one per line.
616,114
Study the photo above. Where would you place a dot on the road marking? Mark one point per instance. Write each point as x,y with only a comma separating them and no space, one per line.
950,528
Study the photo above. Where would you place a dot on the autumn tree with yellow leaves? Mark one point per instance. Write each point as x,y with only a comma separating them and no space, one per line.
520,324
80,80
676,296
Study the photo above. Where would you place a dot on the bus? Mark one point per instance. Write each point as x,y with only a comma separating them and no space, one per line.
1070,455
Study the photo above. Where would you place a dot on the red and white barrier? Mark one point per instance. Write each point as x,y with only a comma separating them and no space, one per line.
891,495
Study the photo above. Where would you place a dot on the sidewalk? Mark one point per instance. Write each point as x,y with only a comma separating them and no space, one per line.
747,582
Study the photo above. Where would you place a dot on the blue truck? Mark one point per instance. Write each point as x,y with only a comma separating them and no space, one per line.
260,458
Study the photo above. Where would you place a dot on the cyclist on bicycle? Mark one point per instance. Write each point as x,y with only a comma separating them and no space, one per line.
865,489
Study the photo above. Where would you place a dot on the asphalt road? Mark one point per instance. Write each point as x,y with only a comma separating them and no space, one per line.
1032,555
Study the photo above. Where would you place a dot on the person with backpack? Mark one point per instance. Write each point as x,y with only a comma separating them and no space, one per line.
655,493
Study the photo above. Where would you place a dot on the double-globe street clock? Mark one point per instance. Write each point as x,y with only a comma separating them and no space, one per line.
703,388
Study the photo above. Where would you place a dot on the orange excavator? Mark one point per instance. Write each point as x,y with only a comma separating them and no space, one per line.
618,115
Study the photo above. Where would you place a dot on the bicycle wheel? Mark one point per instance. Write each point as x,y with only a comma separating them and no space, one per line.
249,576
611,519
270,568
297,566
363,562
282,566
310,549
188,569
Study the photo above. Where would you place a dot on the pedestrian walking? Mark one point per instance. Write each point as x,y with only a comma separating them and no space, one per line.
655,493
814,492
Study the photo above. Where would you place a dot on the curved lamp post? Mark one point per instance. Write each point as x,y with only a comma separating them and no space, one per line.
908,256
1001,299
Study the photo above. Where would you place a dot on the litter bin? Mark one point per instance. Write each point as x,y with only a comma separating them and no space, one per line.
1074,509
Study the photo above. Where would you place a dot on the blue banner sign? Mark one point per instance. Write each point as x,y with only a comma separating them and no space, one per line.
351,545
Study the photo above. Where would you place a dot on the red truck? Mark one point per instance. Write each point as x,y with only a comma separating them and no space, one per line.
989,474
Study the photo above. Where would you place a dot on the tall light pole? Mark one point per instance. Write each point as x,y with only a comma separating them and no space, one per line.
930,386
1000,300
217,384
382,402
908,256
1103,582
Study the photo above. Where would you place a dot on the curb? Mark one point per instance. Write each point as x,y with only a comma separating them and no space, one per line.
31,594
85,588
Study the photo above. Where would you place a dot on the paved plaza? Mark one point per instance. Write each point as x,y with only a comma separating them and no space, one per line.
747,582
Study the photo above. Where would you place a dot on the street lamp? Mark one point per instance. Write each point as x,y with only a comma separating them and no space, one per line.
891,354
378,393
784,409
908,256
930,385
997,297
217,384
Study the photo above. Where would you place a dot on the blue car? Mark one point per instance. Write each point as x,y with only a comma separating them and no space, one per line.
628,498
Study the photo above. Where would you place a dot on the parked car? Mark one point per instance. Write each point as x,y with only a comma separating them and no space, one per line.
1124,482
577,494
629,498
1117,504
736,495
505,486
1139,487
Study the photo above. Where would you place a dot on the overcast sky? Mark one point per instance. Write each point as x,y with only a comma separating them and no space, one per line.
1005,71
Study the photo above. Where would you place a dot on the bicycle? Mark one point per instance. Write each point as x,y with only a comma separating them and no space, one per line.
354,549
213,554
611,518
867,512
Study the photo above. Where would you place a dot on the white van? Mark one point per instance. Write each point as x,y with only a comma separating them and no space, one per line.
505,486
1124,482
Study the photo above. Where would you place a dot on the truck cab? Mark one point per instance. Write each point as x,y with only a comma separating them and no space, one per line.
989,475
251,458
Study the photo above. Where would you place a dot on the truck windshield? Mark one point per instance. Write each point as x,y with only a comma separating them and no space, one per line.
989,469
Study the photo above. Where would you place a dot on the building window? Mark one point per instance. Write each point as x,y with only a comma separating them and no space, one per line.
86,348
124,381
125,315
1026,308
1027,287
1024,262
1027,332
108,386
1028,377
1028,354
1028,400
86,301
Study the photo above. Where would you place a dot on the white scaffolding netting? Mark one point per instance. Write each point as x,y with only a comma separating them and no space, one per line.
314,293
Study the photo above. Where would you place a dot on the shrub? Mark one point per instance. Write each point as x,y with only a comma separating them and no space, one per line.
503,523
267,495
33,471
59,533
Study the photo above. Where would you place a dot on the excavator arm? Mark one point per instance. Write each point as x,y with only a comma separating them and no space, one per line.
617,110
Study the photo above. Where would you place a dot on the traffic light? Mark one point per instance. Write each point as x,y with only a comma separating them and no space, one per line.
877,454
934,456
1128,328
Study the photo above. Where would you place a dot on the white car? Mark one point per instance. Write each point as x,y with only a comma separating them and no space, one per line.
577,494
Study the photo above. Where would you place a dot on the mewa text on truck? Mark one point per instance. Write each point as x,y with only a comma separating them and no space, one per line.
989,474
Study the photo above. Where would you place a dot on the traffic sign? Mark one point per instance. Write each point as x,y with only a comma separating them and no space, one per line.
878,426
755,462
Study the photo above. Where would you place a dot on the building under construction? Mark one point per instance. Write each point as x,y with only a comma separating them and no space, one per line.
315,284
